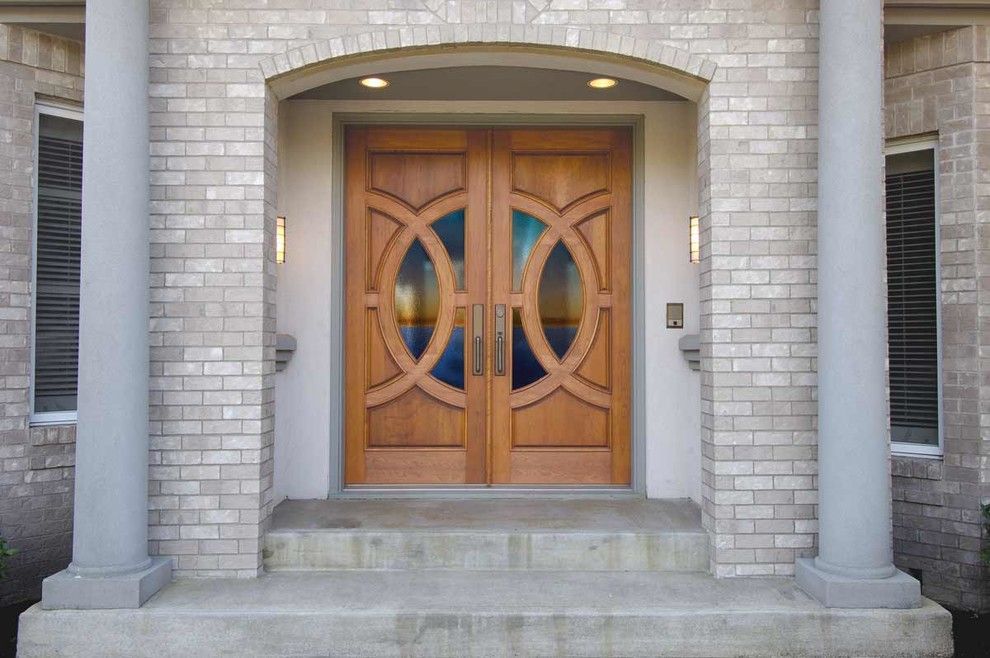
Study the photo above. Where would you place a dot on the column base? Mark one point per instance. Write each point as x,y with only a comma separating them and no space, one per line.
66,590
834,591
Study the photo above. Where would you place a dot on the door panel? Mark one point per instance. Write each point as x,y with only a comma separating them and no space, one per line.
524,233
561,222
416,239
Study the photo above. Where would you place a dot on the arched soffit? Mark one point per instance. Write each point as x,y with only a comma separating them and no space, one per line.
386,51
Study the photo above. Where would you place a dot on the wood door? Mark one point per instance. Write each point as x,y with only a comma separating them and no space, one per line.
561,222
442,223
416,264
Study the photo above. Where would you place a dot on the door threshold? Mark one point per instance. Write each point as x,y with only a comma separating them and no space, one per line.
486,491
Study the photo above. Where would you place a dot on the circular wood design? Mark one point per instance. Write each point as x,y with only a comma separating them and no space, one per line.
561,372
416,373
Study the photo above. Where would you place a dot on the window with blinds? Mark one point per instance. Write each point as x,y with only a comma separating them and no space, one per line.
56,293
912,298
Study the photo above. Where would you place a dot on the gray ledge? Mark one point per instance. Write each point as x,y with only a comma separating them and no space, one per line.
691,347
285,347
833,591
67,590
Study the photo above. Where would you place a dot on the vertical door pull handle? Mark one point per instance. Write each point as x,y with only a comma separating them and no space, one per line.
478,331
500,339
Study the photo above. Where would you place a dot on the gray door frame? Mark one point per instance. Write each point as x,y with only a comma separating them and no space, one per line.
336,402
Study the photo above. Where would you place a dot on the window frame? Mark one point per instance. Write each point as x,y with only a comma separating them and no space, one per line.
65,111
929,142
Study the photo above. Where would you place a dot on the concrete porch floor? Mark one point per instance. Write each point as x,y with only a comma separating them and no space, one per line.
468,613
526,577
508,514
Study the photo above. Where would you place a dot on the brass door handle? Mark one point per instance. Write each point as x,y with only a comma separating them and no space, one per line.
500,339
478,332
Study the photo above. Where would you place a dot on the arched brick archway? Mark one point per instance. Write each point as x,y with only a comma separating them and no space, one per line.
299,68
650,62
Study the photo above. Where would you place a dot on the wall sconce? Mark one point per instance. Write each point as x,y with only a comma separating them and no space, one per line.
695,240
280,240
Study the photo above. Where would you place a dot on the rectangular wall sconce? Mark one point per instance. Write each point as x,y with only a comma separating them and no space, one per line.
280,240
695,240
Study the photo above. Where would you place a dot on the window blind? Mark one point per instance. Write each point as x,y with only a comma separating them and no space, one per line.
56,340
912,298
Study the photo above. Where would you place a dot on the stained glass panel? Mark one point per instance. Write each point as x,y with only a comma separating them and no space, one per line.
450,368
526,369
417,299
526,230
450,230
561,299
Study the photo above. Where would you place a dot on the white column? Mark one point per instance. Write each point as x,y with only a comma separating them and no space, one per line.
110,564
854,567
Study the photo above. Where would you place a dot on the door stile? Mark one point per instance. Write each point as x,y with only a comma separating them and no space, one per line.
476,274
354,353
500,285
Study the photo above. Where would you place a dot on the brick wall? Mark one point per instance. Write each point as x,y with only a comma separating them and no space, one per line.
214,123
36,475
213,163
941,84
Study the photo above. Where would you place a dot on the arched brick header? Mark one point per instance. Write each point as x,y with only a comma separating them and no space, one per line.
577,40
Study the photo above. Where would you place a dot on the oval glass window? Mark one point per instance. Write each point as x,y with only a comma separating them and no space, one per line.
561,299
417,299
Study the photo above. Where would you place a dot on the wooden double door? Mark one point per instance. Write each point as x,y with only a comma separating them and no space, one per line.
487,334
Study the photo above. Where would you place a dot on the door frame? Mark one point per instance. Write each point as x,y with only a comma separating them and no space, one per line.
336,488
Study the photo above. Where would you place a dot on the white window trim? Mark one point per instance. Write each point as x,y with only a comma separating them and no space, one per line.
65,111
927,142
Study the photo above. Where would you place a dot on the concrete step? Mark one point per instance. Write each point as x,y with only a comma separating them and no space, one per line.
487,613
571,535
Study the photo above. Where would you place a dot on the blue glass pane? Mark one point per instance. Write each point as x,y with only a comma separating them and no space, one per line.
450,368
526,230
417,299
450,230
525,368
561,299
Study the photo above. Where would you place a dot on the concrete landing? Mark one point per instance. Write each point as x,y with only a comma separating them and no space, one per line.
538,534
469,613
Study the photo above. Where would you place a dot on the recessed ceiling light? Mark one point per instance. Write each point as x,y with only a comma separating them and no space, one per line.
374,83
602,83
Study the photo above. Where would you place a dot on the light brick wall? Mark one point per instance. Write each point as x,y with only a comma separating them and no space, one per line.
214,124
213,167
941,83
758,277
36,475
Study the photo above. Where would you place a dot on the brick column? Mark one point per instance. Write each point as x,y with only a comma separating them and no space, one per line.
854,567
110,564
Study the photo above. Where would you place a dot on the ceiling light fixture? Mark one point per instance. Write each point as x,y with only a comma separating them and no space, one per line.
602,83
374,83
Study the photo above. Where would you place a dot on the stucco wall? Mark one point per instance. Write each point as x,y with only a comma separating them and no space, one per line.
941,84
36,474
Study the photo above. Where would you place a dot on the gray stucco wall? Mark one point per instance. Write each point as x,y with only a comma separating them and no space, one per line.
941,84
36,462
